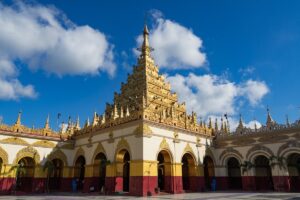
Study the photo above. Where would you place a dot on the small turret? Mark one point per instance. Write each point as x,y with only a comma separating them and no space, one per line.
95,119
18,122
210,123
240,127
270,122
87,122
47,126
77,125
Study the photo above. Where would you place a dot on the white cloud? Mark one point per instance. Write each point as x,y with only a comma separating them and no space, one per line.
175,46
215,95
254,91
43,38
10,87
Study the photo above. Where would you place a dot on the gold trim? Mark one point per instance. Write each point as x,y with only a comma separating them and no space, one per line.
44,143
14,140
27,152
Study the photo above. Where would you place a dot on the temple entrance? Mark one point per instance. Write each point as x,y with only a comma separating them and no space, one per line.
25,174
263,174
209,171
123,158
164,171
100,170
188,170
293,163
56,176
79,172
234,174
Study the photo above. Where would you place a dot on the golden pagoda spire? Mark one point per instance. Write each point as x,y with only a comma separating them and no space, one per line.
77,125
18,122
47,126
210,123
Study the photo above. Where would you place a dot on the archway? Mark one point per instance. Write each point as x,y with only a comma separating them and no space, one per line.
79,171
234,174
263,173
25,174
100,169
209,171
164,171
123,159
56,176
293,163
188,171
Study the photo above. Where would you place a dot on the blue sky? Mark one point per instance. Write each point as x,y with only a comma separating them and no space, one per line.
242,41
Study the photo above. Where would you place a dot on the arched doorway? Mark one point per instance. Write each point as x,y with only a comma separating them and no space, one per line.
164,171
209,171
234,174
123,159
56,176
263,174
293,163
25,174
79,171
100,169
188,171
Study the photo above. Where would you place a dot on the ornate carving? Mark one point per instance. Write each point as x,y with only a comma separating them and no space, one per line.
176,139
111,137
143,130
289,145
164,144
122,144
27,152
3,156
80,152
99,149
188,149
58,154
229,152
44,143
14,140
258,147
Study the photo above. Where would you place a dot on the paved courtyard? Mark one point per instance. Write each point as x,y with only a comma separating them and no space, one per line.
194,196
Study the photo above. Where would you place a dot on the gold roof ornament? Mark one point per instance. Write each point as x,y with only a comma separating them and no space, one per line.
77,125
18,122
47,126
270,122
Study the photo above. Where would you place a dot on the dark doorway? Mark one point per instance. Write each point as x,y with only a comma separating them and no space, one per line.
100,169
293,162
263,174
55,178
164,171
126,172
209,171
188,170
25,174
79,172
234,174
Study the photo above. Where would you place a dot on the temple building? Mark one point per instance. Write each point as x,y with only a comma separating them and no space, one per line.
146,143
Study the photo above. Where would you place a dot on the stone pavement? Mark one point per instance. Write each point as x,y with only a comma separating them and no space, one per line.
186,196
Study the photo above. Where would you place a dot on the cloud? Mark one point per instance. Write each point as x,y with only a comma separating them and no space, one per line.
10,87
43,38
176,47
254,91
215,95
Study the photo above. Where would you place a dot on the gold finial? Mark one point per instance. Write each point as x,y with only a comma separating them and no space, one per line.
77,126
18,122
47,123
